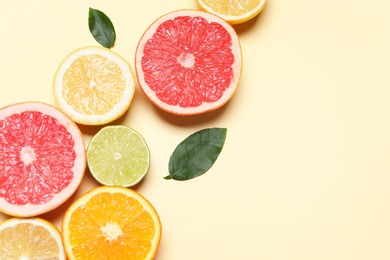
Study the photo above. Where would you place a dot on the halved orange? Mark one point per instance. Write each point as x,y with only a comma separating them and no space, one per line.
111,222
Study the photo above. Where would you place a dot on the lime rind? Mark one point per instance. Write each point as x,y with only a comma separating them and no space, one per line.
118,156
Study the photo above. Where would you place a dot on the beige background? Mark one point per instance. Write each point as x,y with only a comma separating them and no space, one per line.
305,171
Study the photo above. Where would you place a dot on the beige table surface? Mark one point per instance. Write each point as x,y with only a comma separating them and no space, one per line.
305,171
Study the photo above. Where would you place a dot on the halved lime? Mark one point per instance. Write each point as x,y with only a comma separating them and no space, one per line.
118,155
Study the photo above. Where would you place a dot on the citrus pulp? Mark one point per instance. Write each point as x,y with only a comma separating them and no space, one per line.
118,155
233,11
42,158
33,239
94,86
188,62
111,223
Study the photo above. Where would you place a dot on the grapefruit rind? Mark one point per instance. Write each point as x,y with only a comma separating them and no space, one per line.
204,107
30,210
81,201
118,110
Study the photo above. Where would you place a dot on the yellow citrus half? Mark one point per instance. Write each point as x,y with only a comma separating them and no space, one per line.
94,86
32,238
111,223
233,11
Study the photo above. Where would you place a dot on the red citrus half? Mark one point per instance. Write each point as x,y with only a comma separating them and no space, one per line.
189,62
42,158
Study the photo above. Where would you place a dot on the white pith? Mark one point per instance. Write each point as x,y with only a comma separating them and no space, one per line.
27,155
186,60
111,231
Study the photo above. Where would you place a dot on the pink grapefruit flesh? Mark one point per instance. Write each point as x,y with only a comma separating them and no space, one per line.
42,158
189,62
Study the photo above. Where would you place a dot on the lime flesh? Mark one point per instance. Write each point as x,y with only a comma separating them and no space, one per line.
118,156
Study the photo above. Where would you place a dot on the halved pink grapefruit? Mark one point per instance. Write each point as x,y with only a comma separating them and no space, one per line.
189,62
42,158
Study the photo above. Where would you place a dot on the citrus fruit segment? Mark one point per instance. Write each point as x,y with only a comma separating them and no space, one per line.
118,155
233,11
42,158
33,239
189,62
94,86
111,223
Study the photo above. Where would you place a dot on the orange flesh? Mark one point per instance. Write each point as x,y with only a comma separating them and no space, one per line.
117,230
93,85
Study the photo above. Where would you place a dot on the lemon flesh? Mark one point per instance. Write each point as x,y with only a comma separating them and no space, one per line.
233,11
94,86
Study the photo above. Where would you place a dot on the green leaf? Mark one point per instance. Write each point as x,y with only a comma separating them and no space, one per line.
196,154
101,28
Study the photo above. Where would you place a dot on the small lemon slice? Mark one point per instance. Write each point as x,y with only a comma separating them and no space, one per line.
118,156
94,86
233,11
30,238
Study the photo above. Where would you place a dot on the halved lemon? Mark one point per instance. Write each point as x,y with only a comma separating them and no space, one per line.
233,11
30,238
94,85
